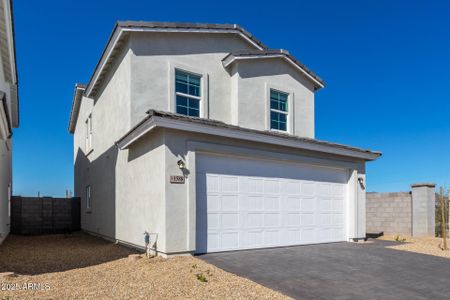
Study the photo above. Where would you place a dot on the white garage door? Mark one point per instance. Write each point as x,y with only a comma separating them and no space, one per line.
246,204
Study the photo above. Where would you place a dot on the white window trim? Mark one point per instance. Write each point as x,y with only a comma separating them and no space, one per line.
88,135
88,198
289,113
204,86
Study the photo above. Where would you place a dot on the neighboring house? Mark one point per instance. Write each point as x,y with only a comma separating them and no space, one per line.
9,111
199,133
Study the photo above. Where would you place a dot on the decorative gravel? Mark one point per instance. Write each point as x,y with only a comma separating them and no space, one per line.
79,266
424,245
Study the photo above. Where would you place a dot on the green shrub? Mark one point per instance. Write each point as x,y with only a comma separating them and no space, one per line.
201,277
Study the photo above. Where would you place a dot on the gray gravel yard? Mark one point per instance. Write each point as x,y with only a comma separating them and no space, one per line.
79,266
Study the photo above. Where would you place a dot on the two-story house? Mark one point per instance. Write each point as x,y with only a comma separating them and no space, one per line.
9,111
202,135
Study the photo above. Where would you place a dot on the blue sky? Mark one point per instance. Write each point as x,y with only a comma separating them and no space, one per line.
385,64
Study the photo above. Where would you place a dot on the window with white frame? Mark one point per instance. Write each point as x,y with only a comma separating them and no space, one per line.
89,134
188,93
88,197
278,110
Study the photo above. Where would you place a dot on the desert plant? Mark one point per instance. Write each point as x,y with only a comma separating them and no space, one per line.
443,227
399,239
201,277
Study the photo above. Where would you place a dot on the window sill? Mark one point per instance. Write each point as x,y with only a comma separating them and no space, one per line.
280,131
89,152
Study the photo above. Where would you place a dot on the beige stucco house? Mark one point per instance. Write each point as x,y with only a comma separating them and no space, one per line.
202,135
9,111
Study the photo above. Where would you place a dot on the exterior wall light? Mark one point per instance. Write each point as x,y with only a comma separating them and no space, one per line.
181,164
361,183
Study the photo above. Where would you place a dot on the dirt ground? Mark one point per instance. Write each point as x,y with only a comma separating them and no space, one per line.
424,245
79,266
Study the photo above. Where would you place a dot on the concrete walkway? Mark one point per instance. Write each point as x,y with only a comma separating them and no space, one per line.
341,271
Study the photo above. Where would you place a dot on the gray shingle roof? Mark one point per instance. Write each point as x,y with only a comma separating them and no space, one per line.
269,52
180,25
154,113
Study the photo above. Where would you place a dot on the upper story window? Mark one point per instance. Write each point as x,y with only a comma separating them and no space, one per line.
188,93
88,134
278,110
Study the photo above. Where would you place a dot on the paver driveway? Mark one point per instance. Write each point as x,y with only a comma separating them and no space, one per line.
342,271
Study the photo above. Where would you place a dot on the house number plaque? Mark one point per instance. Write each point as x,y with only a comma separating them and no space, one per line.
176,179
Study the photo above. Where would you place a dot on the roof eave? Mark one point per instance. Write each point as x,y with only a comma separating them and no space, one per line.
318,82
154,121
76,102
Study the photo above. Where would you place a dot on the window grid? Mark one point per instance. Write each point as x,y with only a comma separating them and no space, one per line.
188,93
278,110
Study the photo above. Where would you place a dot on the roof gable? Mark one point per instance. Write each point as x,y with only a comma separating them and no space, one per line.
274,53
122,28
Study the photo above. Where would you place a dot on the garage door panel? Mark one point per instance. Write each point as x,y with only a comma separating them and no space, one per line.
294,237
338,219
308,235
308,204
308,219
213,241
271,187
255,220
272,203
230,240
229,202
229,184
325,204
230,221
255,239
293,203
308,189
294,219
271,238
255,185
213,202
253,203
212,183
271,220
213,220
293,187
279,205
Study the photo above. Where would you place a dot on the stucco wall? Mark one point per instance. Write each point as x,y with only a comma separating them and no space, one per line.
237,96
5,180
5,164
255,78
110,120
140,197
389,213
156,54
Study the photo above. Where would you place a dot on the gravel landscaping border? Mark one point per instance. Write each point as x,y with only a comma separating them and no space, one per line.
423,245
79,266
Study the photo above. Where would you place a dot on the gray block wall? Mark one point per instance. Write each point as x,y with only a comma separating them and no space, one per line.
46,215
403,213
389,213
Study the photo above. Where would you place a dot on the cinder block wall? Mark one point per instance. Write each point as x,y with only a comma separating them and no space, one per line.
404,213
389,213
45,215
